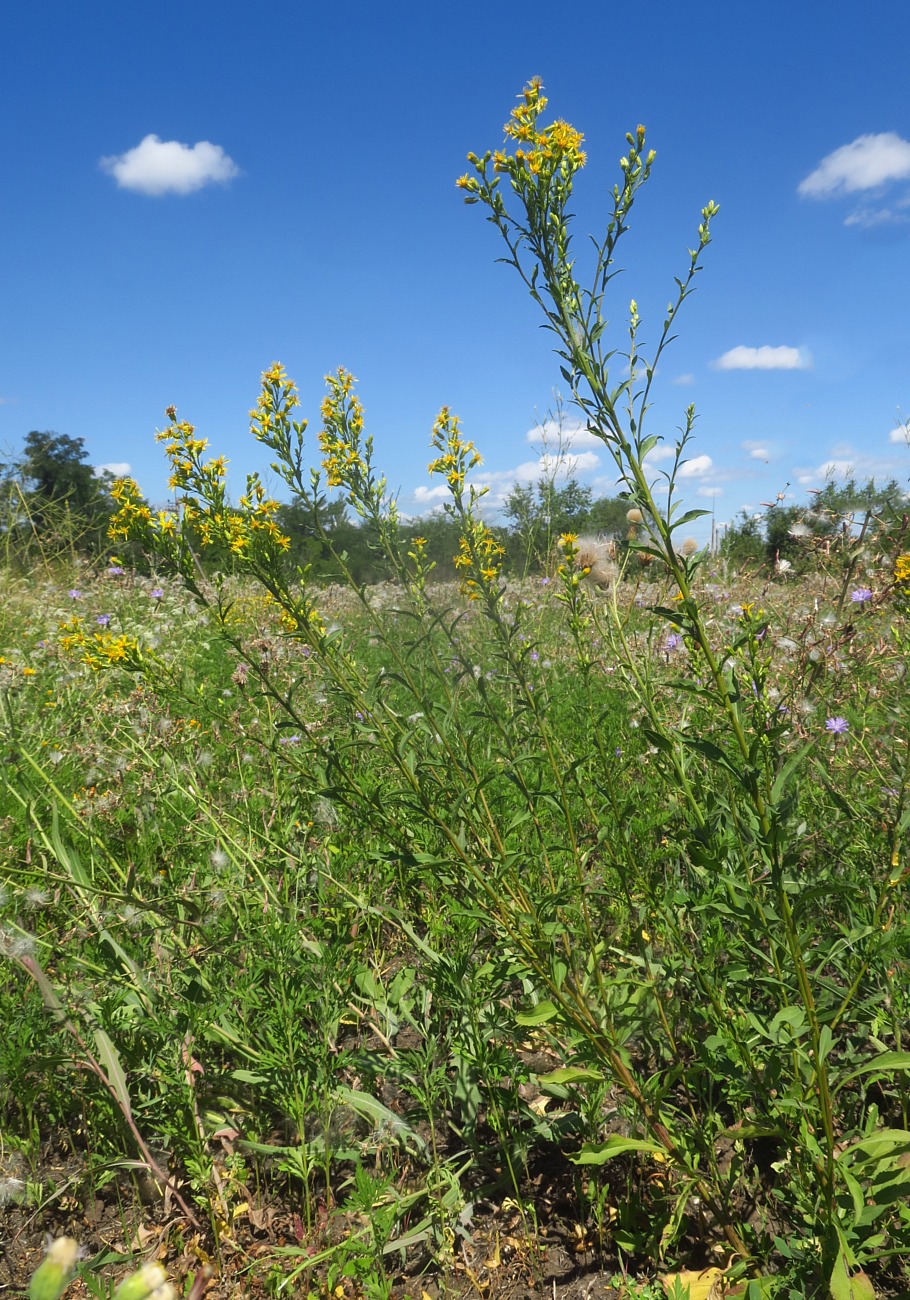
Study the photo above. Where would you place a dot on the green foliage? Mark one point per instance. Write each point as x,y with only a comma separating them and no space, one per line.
843,523
370,898
540,513
54,504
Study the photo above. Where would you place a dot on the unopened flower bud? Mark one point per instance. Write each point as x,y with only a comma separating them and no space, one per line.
150,1281
634,515
55,1270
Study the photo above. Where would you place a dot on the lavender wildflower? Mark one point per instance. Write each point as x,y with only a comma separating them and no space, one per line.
837,726
861,595
103,619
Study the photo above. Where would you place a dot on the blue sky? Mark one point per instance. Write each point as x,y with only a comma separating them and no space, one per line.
196,189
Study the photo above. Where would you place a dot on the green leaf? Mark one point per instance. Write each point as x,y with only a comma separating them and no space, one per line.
877,1146
883,1064
542,1014
571,1074
110,1059
367,1106
841,1286
598,1153
689,517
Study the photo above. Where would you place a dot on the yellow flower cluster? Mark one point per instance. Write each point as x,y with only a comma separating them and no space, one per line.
570,571
342,433
98,649
479,558
204,510
277,396
902,568
456,457
133,515
540,154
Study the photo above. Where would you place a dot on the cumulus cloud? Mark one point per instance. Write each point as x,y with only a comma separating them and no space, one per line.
697,467
499,483
866,163
568,436
431,496
846,462
119,468
157,166
900,435
763,358
757,450
663,451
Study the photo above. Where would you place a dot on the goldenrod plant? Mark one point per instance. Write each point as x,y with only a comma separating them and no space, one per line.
647,832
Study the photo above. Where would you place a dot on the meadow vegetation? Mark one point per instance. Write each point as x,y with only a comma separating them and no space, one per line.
473,936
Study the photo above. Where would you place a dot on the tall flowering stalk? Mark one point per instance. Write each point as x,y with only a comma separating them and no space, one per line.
526,187
734,858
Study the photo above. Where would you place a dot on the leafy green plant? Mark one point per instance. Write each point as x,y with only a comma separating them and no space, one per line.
621,877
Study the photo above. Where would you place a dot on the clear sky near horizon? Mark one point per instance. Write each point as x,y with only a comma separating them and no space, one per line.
196,189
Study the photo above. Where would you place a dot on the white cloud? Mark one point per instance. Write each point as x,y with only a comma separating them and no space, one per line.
763,358
845,462
663,451
697,467
119,468
866,163
499,483
900,435
158,166
869,218
684,380
757,450
571,464
570,437
709,491
429,496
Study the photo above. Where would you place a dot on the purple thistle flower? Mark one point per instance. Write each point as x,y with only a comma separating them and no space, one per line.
861,595
837,726
74,594
103,619
115,571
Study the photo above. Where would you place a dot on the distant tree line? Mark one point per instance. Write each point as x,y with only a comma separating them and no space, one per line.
54,505
796,537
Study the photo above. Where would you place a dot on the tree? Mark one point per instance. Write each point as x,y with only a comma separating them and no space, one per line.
805,534
55,497
540,514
